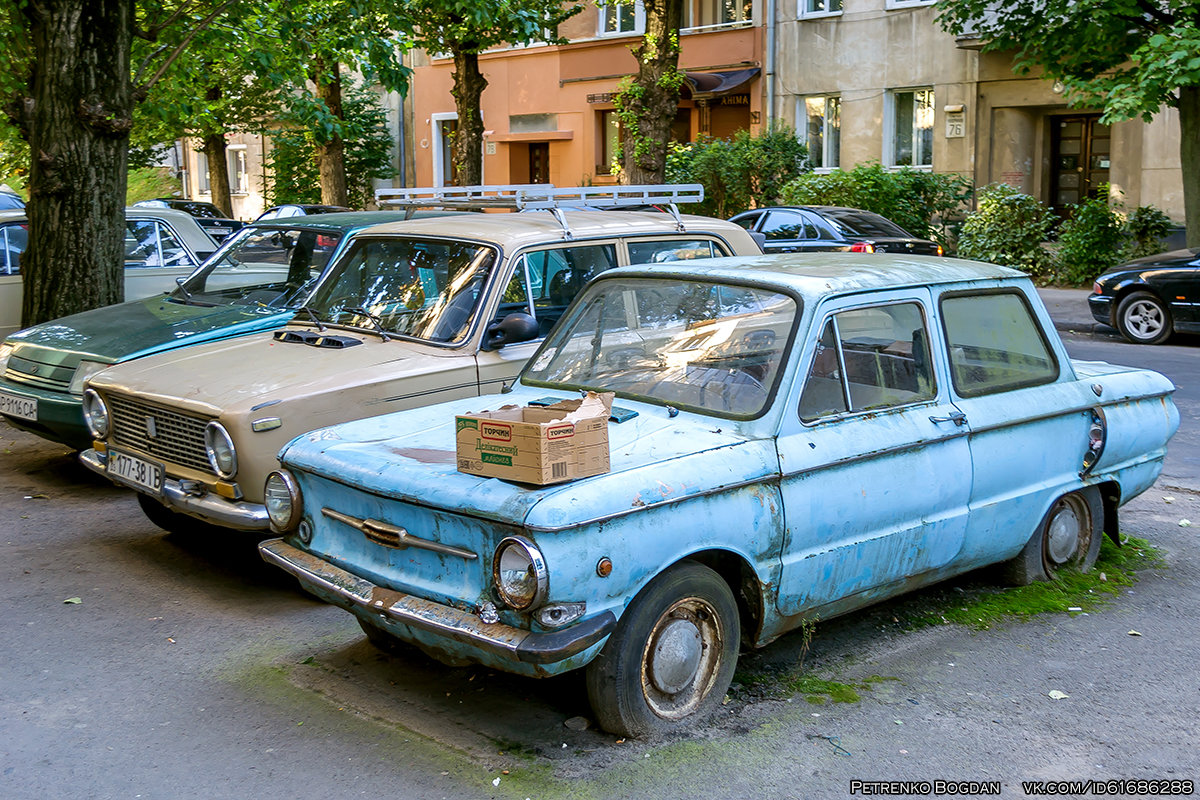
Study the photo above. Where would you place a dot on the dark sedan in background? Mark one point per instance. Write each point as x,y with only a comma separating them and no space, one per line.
1151,298
207,215
806,229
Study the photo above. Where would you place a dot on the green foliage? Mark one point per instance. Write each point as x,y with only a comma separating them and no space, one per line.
292,159
147,183
1146,228
743,172
1008,228
923,203
1090,241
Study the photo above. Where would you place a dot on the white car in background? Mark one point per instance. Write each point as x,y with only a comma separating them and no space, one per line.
160,246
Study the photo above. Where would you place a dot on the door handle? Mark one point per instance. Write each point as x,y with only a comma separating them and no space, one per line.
957,417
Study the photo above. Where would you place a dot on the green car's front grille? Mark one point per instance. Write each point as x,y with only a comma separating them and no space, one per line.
41,374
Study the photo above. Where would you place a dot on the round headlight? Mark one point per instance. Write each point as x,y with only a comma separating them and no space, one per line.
95,414
221,454
281,495
519,572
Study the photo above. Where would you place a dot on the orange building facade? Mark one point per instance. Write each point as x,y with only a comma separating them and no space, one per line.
547,110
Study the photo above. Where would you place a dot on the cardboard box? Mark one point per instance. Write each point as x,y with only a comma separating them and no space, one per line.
537,444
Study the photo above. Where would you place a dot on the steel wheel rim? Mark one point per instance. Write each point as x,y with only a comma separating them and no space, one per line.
1145,319
1068,532
682,658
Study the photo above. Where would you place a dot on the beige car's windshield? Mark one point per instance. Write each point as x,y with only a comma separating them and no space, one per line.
424,288
710,347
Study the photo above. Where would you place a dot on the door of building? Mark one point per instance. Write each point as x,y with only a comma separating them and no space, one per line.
539,162
1080,159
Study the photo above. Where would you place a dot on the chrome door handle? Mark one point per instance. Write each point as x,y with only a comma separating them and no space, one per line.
957,417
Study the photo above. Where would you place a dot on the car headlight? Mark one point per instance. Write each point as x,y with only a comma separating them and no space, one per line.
85,370
282,498
222,456
519,572
95,414
6,350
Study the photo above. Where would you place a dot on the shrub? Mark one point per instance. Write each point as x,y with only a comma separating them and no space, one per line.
923,203
1008,228
739,173
1146,229
1090,241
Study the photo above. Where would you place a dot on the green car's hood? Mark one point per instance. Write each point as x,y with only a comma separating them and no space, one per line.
140,328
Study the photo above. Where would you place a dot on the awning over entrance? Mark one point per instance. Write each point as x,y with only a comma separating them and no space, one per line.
707,85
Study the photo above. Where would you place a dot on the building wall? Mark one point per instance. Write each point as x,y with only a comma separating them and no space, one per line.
247,204
569,84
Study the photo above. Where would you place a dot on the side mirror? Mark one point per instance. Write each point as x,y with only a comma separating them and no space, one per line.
516,327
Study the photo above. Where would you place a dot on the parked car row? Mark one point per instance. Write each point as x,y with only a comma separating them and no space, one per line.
795,435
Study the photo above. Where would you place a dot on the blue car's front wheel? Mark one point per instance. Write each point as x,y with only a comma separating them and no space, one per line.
672,656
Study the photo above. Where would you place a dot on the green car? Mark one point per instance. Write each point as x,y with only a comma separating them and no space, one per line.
255,282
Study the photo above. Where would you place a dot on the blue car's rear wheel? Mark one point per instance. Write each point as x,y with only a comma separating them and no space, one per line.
672,656
1068,537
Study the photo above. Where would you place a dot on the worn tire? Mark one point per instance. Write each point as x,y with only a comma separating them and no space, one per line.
1067,537
171,521
672,655
1143,318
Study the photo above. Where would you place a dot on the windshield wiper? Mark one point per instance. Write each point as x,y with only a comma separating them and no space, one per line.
313,316
374,320
188,299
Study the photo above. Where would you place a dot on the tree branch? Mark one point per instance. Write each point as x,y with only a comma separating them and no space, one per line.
141,91
146,62
1152,10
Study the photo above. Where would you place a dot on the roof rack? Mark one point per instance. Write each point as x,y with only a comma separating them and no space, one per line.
546,197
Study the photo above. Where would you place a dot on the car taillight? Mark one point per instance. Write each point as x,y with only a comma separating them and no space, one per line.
1097,433
862,247
940,251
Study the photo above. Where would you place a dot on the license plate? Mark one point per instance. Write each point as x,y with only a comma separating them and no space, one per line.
219,230
136,472
19,407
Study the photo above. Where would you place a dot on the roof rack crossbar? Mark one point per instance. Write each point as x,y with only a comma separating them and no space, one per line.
541,196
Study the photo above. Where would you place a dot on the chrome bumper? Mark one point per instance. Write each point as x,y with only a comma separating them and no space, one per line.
208,507
360,596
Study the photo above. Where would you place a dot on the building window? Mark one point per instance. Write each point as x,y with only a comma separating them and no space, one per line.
911,129
819,8
609,140
621,19
819,123
202,185
715,13
908,3
239,179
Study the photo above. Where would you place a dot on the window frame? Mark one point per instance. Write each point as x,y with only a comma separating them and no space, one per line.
803,12
1038,327
826,144
639,19
831,318
897,5
692,7
891,115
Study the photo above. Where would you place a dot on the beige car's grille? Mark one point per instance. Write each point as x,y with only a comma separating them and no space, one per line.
167,434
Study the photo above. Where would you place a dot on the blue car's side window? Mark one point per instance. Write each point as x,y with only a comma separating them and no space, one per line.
995,344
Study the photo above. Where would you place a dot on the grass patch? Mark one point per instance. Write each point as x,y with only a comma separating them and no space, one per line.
980,605
780,683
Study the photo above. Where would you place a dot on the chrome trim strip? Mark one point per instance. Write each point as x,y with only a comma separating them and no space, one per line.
210,507
362,597
372,527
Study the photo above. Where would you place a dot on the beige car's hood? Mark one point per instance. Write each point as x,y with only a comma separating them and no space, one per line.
228,379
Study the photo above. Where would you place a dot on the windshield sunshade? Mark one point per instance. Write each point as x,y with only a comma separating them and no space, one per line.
426,289
714,348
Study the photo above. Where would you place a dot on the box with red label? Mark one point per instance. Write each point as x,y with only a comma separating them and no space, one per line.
537,444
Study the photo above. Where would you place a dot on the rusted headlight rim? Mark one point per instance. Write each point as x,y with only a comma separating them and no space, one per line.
536,562
294,498
212,431
95,413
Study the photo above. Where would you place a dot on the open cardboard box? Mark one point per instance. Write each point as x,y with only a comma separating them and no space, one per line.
537,444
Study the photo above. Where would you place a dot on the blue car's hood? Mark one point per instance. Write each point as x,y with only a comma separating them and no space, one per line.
410,456
142,327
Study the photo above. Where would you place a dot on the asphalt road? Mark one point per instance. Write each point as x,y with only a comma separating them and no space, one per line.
190,669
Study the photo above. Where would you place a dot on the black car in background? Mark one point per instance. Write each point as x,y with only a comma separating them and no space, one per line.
806,229
1150,298
208,216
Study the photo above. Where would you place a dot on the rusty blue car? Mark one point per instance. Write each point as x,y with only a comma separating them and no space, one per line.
793,437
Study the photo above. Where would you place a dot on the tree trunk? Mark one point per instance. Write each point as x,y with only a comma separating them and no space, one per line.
78,118
469,84
649,108
331,154
1189,160
216,153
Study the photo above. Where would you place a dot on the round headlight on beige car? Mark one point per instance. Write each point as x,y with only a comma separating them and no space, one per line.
95,414
222,456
